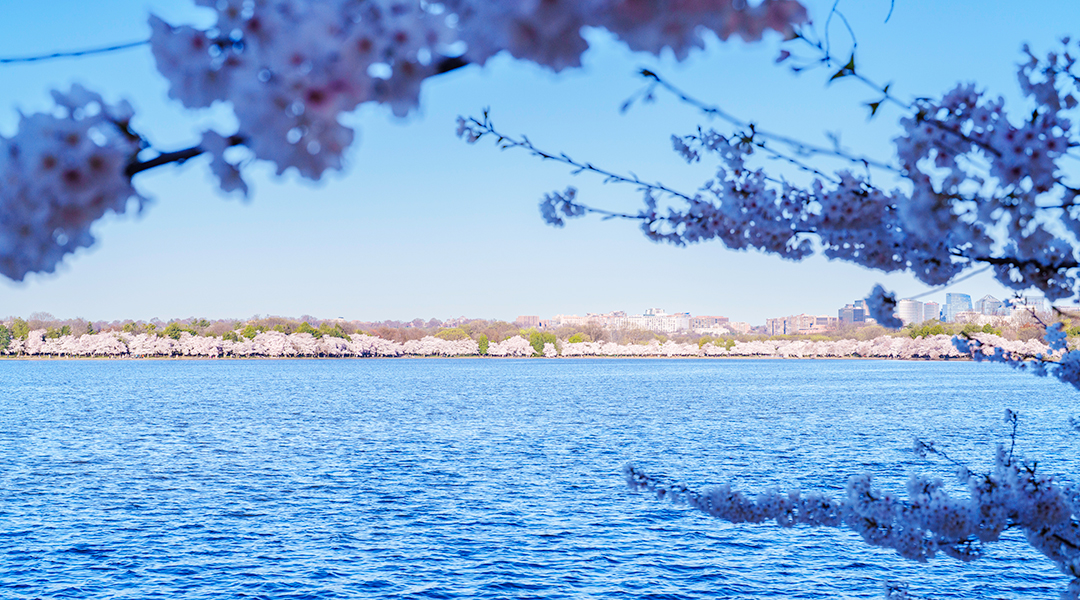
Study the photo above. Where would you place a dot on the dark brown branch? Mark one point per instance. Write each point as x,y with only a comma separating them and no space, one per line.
444,65
177,156
450,63
72,53
1026,262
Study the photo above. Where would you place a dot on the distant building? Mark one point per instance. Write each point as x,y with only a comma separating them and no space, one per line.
909,311
707,325
955,304
739,327
989,305
977,318
852,314
823,323
1036,303
654,319
774,326
657,320
931,311
707,322
1022,308
800,324
527,321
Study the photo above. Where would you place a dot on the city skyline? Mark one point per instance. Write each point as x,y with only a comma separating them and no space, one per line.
622,315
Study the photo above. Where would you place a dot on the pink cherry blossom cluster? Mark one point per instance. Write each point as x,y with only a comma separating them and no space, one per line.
928,522
59,173
514,346
901,347
549,33
269,344
275,344
290,68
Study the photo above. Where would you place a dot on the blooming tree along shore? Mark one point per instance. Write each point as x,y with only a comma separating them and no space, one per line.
276,344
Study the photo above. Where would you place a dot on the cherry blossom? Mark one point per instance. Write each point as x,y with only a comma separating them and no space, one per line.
929,522
60,172
514,346
289,68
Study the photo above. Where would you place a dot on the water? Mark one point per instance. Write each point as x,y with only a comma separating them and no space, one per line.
483,478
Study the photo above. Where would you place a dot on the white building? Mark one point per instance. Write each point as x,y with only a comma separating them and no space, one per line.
654,319
931,311
909,311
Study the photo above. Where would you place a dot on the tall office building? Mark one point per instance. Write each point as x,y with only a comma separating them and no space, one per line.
909,311
852,314
989,305
954,304
931,311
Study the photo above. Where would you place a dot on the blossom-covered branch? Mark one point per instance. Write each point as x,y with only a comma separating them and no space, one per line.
974,187
748,129
1014,495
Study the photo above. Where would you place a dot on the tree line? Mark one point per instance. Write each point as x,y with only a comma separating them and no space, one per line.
482,331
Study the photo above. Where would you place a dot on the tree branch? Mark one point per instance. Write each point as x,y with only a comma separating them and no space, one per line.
72,53
797,145
176,156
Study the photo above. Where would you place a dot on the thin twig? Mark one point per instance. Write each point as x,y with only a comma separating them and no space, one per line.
797,145
485,127
72,53
176,156
951,282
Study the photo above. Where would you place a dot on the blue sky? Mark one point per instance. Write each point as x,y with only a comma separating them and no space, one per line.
421,224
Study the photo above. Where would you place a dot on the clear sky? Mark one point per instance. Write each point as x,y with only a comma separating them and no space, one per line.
421,224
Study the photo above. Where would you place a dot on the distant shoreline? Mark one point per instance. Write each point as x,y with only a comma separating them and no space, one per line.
411,357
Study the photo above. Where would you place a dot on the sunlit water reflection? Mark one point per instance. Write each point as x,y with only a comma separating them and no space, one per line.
483,478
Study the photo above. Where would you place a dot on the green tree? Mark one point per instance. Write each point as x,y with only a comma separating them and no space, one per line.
250,331
538,339
335,330
174,330
231,336
483,343
452,334
20,329
89,328
927,329
306,327
56,332
5,338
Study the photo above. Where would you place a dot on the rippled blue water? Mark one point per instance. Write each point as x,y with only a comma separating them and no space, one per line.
482,478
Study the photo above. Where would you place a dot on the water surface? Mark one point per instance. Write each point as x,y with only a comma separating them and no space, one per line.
445,479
